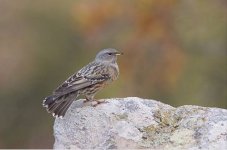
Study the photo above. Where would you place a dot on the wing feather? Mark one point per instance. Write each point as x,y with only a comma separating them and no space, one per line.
87,76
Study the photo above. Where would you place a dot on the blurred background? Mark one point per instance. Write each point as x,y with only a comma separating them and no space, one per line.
175,52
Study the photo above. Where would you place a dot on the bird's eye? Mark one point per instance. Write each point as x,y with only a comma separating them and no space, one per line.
109,53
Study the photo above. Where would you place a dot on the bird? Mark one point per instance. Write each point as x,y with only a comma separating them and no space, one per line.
89,80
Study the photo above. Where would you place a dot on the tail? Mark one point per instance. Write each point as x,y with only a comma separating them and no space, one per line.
58,105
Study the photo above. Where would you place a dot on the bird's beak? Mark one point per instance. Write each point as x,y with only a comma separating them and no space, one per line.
119,53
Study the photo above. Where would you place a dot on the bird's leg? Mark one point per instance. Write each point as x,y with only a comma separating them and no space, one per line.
88,99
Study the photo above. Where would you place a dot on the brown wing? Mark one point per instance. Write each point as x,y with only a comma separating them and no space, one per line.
87,76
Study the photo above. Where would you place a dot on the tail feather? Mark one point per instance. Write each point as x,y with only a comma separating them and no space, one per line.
49,100
58,105
60,111
53,106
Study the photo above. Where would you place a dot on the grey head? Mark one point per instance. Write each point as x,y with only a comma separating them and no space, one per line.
108,55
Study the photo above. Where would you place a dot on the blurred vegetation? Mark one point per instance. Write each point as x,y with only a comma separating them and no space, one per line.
175,52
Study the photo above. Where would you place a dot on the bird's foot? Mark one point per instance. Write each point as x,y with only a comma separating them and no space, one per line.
87,102
97,102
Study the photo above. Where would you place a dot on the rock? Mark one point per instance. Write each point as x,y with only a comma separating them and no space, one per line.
131,123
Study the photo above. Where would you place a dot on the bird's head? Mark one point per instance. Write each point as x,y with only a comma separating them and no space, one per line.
108,55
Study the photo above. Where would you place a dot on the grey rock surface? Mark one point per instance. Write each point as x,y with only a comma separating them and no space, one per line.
135,123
